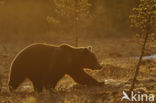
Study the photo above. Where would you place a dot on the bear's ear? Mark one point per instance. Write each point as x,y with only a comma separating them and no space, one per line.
89,48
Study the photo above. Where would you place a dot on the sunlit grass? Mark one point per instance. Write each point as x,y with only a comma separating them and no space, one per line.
29,100
118,70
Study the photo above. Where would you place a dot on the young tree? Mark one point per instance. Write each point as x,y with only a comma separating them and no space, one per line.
73,12
143,20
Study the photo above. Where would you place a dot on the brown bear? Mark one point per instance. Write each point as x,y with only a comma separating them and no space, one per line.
46,64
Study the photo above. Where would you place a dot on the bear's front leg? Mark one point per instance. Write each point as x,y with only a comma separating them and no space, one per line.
83,78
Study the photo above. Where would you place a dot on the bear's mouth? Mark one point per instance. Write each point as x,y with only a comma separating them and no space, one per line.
98,67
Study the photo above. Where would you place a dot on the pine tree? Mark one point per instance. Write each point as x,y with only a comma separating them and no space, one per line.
73,12
143,20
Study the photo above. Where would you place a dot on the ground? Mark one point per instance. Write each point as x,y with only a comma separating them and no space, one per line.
118,56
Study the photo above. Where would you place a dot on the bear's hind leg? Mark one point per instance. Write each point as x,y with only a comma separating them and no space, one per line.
15,82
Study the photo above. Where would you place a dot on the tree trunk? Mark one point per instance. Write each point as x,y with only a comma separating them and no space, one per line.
138,65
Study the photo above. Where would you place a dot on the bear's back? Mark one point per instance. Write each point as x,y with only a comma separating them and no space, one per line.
34,54
43,52
37,48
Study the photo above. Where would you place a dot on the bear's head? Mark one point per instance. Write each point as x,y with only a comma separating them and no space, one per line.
89,59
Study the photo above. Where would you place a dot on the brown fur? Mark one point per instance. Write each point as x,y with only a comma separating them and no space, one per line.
45,64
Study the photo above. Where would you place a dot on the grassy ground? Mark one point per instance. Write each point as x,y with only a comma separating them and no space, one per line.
118,55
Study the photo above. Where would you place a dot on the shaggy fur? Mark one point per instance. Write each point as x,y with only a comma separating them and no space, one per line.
45,64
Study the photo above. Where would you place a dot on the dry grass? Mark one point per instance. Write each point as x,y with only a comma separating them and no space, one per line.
117,56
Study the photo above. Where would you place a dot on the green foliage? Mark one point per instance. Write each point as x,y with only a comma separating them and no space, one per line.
143,19
71,11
